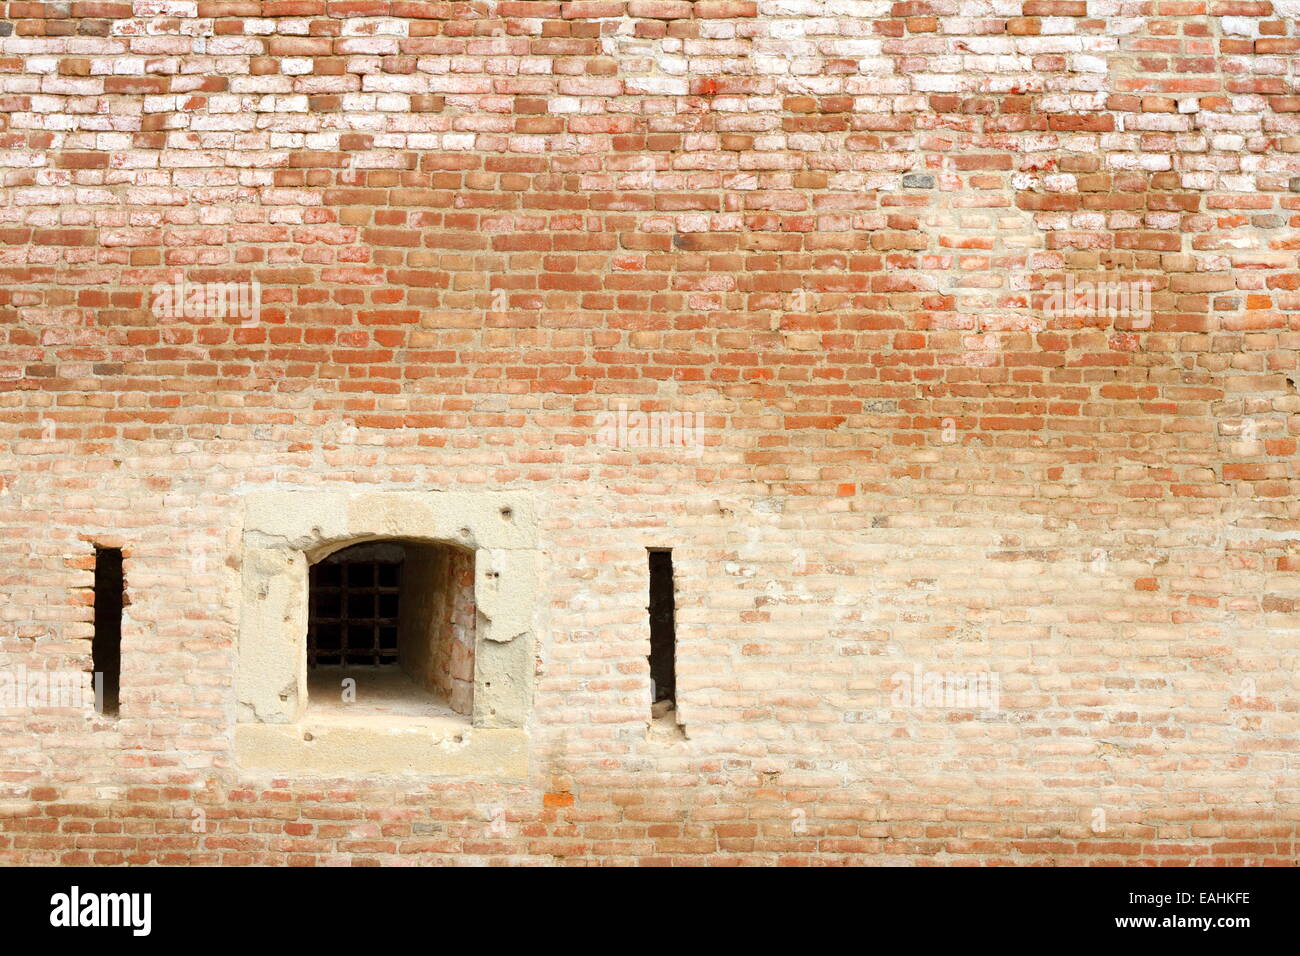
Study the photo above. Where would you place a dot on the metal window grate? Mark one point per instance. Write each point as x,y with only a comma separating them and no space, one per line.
353,613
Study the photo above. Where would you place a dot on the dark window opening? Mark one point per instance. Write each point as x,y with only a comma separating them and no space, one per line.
353,616
663,629
398,619
106,646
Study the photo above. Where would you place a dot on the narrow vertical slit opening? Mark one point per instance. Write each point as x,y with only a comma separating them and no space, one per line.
106,646
663,634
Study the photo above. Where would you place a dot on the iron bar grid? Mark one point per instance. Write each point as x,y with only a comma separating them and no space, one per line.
353,613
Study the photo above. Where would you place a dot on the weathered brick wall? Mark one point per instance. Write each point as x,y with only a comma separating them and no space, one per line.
830,226
452,644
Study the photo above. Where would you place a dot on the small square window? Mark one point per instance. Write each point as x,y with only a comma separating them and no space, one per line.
392,623
434,625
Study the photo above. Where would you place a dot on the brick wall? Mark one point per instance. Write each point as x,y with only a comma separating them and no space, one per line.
449,634
837,230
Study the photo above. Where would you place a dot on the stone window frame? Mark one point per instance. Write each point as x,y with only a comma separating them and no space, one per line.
286,531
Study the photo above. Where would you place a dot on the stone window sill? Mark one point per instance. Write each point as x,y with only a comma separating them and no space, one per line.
369,744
